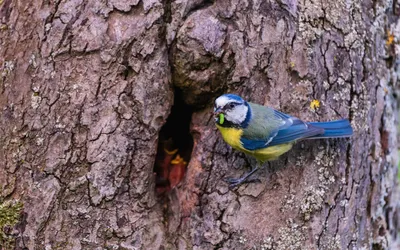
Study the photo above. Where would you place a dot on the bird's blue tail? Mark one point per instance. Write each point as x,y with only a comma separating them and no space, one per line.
339,128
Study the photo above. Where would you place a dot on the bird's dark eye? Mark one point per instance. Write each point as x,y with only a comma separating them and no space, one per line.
231,105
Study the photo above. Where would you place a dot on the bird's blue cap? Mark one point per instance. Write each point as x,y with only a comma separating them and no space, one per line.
234,97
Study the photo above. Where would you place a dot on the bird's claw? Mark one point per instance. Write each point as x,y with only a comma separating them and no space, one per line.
233,182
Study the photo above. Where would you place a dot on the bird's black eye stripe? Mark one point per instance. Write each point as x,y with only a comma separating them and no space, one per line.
231,105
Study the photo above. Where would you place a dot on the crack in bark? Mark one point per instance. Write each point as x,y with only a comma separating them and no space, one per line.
68,27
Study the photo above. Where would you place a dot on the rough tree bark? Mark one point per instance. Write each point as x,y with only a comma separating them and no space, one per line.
86,87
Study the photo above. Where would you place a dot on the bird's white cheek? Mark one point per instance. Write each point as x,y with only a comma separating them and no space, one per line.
228,116
237,115
232,117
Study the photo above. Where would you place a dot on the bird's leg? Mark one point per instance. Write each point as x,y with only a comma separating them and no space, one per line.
237,181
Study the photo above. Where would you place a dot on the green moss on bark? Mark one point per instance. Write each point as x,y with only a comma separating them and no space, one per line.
10,213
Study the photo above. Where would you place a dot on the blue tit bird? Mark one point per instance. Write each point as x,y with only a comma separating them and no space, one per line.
265,133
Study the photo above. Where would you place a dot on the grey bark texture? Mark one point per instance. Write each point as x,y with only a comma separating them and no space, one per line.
86,86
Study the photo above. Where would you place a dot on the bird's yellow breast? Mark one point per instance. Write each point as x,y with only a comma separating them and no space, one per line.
232,137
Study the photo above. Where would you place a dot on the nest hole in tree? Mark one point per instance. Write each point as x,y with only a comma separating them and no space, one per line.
175,144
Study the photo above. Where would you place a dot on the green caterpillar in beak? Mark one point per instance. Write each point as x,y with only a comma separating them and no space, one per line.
221,118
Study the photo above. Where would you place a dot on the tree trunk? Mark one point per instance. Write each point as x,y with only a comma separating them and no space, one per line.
87,86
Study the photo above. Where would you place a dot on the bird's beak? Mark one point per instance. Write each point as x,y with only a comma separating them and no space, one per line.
218,116
217,111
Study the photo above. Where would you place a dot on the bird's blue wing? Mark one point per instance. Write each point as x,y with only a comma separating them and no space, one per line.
289,129
263,127
251,144
298,130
